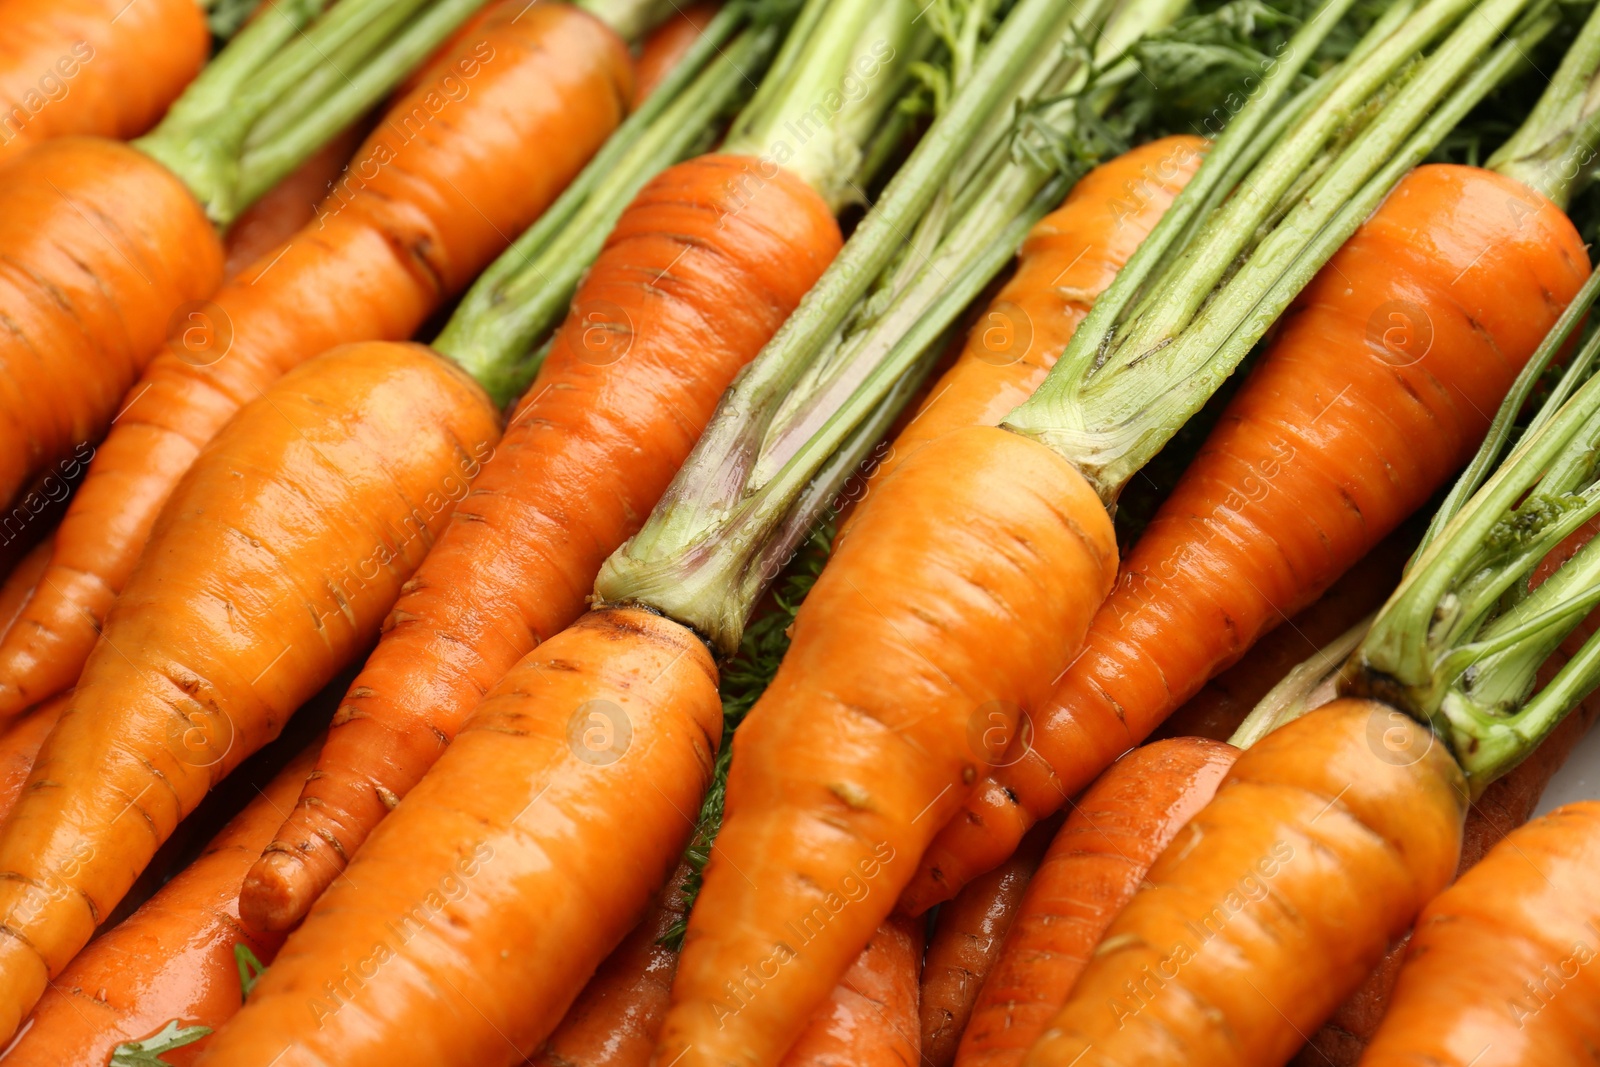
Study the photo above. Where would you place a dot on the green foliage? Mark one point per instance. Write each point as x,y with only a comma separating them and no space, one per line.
250,969
226,16
147,1053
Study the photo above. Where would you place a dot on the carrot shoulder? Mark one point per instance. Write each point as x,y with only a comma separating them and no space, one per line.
270,569
1275,901
1092,869
286,208
590,448
172,959
965,945
428,202
1500,970
1379,386
101,67
471,917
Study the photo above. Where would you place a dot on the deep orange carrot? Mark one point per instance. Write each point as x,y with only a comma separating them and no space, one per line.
870,1018
103,67
19,745
287,206
471,917
20,582
667,44
1093,868
1343,429
102,244
589,450
965,944
615,1020
431,199
1274,902
270,569
171,959
1500,970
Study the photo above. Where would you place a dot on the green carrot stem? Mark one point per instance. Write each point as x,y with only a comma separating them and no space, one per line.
1110,412
1553,150
495,327
632,19
1307,686
259,81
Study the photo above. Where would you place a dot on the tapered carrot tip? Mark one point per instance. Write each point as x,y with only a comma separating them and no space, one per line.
278,891
22,976
1272,905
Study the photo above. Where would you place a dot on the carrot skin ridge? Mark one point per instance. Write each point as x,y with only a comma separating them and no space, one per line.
1092,869
1497,972
453,965
1271,905
1388,429
391,241
309,510
965,946
93,67
870,1018
171,959
516,562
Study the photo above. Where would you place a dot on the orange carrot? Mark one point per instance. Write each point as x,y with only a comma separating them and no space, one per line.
1320,847
287,206
470,918
20,582
587,453
19,746
173,959
429,202
1342,430
1499,970
615,1020
103,67
1093,868
667,44
870,1018
1217,709
965,944
270,569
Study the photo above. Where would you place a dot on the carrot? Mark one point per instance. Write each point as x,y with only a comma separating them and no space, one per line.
19,745
287,206
492,902
101,67
1092,869
271,567
1319,456
173,959
965,944
1222,704
1069,258
615,1020
870,1018
430,201
667,45
20,582
1315,847
1497,973
587,453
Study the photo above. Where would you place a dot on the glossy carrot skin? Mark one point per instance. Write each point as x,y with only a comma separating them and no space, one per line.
1070,257
286,208
270,569
1320,847
870,1018
965,945
19,746
616,1019
14,593
667,45
471,917
171,959
1500,972
101,67
876,722
1378,386
431,199
102,245
1093,868
689,287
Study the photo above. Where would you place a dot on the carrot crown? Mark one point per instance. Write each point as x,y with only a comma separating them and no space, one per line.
1460,642
285,86
521,298
1219,269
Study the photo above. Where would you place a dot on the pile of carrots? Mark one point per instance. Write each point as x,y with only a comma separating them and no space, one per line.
609,533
